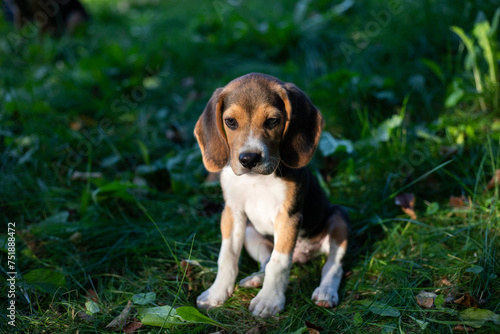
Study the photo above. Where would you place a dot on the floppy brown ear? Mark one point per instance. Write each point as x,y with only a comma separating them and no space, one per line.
209,132
302,130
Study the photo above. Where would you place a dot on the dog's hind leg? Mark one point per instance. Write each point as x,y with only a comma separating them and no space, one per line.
259,248
335,246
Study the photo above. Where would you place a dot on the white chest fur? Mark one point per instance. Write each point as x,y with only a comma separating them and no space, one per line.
259,197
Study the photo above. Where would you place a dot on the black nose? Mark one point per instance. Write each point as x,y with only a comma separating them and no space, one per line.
249,160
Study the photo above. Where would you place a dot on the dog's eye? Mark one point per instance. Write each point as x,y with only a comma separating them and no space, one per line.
271,123
231,123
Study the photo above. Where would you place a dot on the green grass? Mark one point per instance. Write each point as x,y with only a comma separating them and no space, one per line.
121,98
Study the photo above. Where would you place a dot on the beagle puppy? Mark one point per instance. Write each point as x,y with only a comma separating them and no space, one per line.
260,133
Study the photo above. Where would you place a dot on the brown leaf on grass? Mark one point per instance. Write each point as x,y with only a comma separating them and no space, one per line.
84,316
312,328
76,237
76,125
407,203
459,202
494,180
34,245
426,299
467,301
463,328
444,282
92,295
132,326
121,319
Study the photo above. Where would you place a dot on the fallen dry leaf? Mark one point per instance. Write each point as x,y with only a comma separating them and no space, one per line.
121,319
92,295
75,125
426,299
407,203
444,282
494,180
459,202
132,326
312,328
34,245
463,328
84,316
76,237
467,301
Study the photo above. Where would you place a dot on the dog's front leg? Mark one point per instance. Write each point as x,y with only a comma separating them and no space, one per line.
233,233
271,299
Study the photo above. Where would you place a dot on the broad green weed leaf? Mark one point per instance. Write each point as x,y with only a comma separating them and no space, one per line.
161,316
439,301
92,307
109,161
454,97
389,327
474,269
151,82
421,323
477,317
383,132
45,280
381,309
192,315
329,145
60,217
358,320
432,208
144,298
118,189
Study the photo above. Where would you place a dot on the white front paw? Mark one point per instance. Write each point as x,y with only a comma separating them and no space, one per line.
265,306
325,296
212,297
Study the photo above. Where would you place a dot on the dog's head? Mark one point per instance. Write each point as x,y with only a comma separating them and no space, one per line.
255,122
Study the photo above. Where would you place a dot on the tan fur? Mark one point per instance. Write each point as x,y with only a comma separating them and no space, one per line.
286,225
210,135
226,223
339,231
